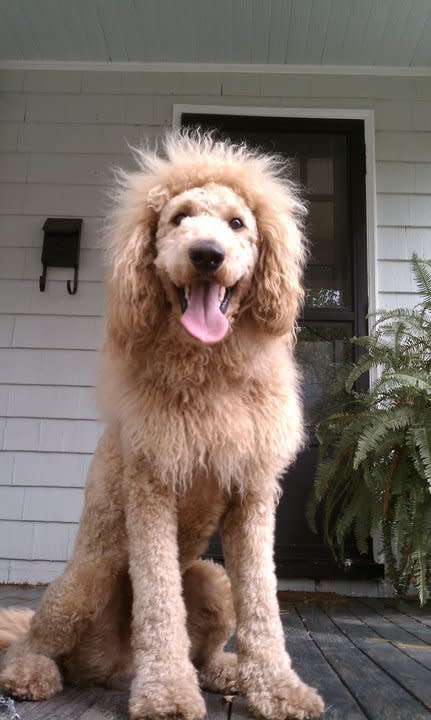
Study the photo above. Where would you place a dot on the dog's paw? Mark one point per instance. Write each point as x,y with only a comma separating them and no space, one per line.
298,702
220,673
161,700
31,677
277,694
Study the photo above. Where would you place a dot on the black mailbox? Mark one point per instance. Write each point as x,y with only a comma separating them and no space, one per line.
61,243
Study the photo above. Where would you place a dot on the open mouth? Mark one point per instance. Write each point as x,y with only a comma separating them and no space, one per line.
224,296
204,305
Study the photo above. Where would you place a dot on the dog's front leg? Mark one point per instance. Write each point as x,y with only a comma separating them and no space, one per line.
165,682
271,688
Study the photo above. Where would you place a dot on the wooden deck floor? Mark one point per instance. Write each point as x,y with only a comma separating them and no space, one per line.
368,658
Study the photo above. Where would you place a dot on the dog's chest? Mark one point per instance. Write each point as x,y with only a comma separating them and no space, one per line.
199,511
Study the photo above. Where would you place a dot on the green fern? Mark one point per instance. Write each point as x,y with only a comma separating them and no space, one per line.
374,467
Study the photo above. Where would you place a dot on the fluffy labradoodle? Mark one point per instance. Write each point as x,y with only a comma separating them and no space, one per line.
200,392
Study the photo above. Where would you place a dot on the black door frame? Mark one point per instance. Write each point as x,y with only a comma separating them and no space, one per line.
355,130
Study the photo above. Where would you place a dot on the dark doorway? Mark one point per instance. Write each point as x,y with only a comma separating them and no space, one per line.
327,158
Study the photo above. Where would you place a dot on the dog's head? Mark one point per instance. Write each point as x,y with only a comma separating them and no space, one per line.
200,237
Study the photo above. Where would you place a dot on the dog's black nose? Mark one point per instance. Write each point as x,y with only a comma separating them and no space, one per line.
206,256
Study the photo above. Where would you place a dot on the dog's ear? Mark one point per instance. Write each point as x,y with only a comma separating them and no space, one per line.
277,291
135,298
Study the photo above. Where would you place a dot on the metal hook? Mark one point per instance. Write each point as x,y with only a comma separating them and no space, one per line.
42,279
73,290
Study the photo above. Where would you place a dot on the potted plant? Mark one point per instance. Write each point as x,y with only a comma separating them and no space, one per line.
374,469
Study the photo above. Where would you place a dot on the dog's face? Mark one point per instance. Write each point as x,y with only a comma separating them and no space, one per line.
192,261
206,253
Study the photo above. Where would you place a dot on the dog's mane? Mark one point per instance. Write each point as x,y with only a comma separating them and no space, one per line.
149,370
190,158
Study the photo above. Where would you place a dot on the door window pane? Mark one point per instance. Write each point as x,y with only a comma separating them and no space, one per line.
321,229
329,272
326,280
321,352
320,175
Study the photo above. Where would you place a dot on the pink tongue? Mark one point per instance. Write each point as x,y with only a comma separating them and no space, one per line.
203,318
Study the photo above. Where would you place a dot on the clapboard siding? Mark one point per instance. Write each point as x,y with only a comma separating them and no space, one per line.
65,505
24,297
40,503
403,146
51,435
70,402
26,231
52,81
388,269
44,469
18,198
399,243
13,168
48,367
61,132
397,177
24,264
29,571
37,540
77,333
6,330
79,169
8,138
404,210
12,107
77,137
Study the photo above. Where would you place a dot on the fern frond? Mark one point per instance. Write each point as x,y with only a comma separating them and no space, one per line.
423,446
372,437
422,273
411,379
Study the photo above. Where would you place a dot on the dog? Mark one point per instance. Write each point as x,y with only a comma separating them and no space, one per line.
200,393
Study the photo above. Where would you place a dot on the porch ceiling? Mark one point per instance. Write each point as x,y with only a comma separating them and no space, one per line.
274,32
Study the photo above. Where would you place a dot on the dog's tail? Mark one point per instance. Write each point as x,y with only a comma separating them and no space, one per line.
14,622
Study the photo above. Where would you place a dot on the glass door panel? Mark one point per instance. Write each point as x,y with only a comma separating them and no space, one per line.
321,352
327,158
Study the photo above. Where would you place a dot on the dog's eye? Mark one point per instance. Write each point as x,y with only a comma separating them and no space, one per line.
178,218
236,224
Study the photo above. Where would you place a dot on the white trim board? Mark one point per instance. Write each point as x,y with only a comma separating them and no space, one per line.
182,67
324,113
379,588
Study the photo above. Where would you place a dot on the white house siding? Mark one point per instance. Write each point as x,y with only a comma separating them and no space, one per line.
60,132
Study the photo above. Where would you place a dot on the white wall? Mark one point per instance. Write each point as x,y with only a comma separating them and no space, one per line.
59,134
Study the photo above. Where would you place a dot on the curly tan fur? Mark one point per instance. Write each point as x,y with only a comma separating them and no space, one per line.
14,622
201,423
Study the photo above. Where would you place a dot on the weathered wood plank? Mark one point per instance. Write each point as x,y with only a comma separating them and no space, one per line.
67,705
100,704
238,711
217,707
398,636
422,615
114,706
413,626
379,696
313,668
415,678
110,705
17,596
378,667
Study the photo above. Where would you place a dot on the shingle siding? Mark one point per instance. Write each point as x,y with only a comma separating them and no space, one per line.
60,134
